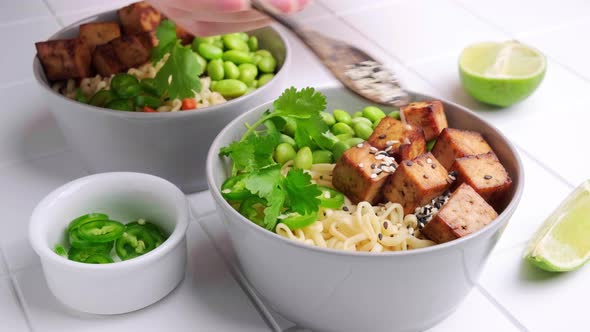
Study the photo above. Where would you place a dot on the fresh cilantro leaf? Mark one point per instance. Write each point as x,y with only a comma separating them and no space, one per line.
273,210
166,34
301,104
179,77
254,152
314,132
266,183
301,193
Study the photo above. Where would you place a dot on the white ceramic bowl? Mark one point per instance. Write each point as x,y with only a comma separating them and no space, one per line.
331,290
121,286
170,145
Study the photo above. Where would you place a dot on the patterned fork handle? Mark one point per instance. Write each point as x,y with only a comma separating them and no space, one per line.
353,67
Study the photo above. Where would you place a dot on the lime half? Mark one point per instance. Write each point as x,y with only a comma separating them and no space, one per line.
563,242
501,74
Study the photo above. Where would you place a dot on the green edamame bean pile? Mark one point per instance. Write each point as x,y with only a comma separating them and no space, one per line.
234,63
347,130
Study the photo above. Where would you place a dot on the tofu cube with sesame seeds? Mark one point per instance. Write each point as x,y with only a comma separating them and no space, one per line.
106,62
428,115
464,213
139,17
416,182
456,143
99,33
64,59
360,173
400,140
486,175
134,50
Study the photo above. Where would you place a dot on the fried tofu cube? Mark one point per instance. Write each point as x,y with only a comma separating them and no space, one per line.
464,213
105,61
428,115
64,59
134,50
360,173
486,175
456,143
139,17
184,36
416,182
403,141
99,33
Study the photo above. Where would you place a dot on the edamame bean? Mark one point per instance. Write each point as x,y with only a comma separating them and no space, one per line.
284,152
338,149
244,36
342,128
363,130
237,57
255,58
209,51
250,89
287,139
263,53
395,115
267,64
248,72
342,116
358,114
215,69
265,78
218,43
290,127
199,40
373,113
353,141
235,42
230,70
230,88
201,60
328,118
366,121
303,159
253,43
343,137
322,157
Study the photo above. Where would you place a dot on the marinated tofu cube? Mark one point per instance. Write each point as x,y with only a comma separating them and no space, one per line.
486,175
184,36
416,182
139,17
360,173
64,59
403,141
99,33
456,143
134,50
464,213
105,61
428,115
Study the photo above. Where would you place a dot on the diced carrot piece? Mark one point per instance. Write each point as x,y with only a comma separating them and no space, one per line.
188,104
149,109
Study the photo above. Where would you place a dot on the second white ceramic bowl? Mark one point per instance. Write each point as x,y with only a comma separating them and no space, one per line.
331,290
121,286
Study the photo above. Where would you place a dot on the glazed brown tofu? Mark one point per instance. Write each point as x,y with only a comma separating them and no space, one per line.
139,17
99,33
134,50
359,173
486,175
456,143
466,212
403,141
184,36
416,182
105,61
428,115
64,59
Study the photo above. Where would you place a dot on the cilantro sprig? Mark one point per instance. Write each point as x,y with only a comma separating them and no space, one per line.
252,155
179,76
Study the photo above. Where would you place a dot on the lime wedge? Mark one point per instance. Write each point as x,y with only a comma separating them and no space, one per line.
563,242
501,74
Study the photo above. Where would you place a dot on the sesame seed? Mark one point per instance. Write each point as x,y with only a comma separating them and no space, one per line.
373,166
361,165
374,149
385,224
321,177
425,176
452,177
390,143
390,235
429,161
409,163
379,156
388,148
487,177
433,166
419,162
380,236
373,176
360,145
382,136
345,208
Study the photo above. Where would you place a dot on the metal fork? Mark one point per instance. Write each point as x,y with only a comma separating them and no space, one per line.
353,67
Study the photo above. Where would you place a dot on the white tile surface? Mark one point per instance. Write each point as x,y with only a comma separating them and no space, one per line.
3,266
11,315
29,130
517,17
23,186
11,11
541,301
347,6
208,299
17,64
422,29
68,6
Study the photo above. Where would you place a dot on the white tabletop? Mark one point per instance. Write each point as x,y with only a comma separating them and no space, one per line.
421,40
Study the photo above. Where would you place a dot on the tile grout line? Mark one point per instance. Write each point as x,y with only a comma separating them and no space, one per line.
17,294
545,167
53,13
500,307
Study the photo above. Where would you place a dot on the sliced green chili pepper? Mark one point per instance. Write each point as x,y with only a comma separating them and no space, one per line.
134,242
101,98
85,219
77,242
253,209
149,101
234,188
101,231
99,259
60,250
80,96
89,255
430,144
148,85
125,85
330,198
158,233
295,220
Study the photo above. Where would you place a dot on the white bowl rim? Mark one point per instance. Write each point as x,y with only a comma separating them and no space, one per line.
177,235
40,75
502,217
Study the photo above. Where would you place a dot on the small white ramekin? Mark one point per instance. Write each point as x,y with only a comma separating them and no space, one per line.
122,286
